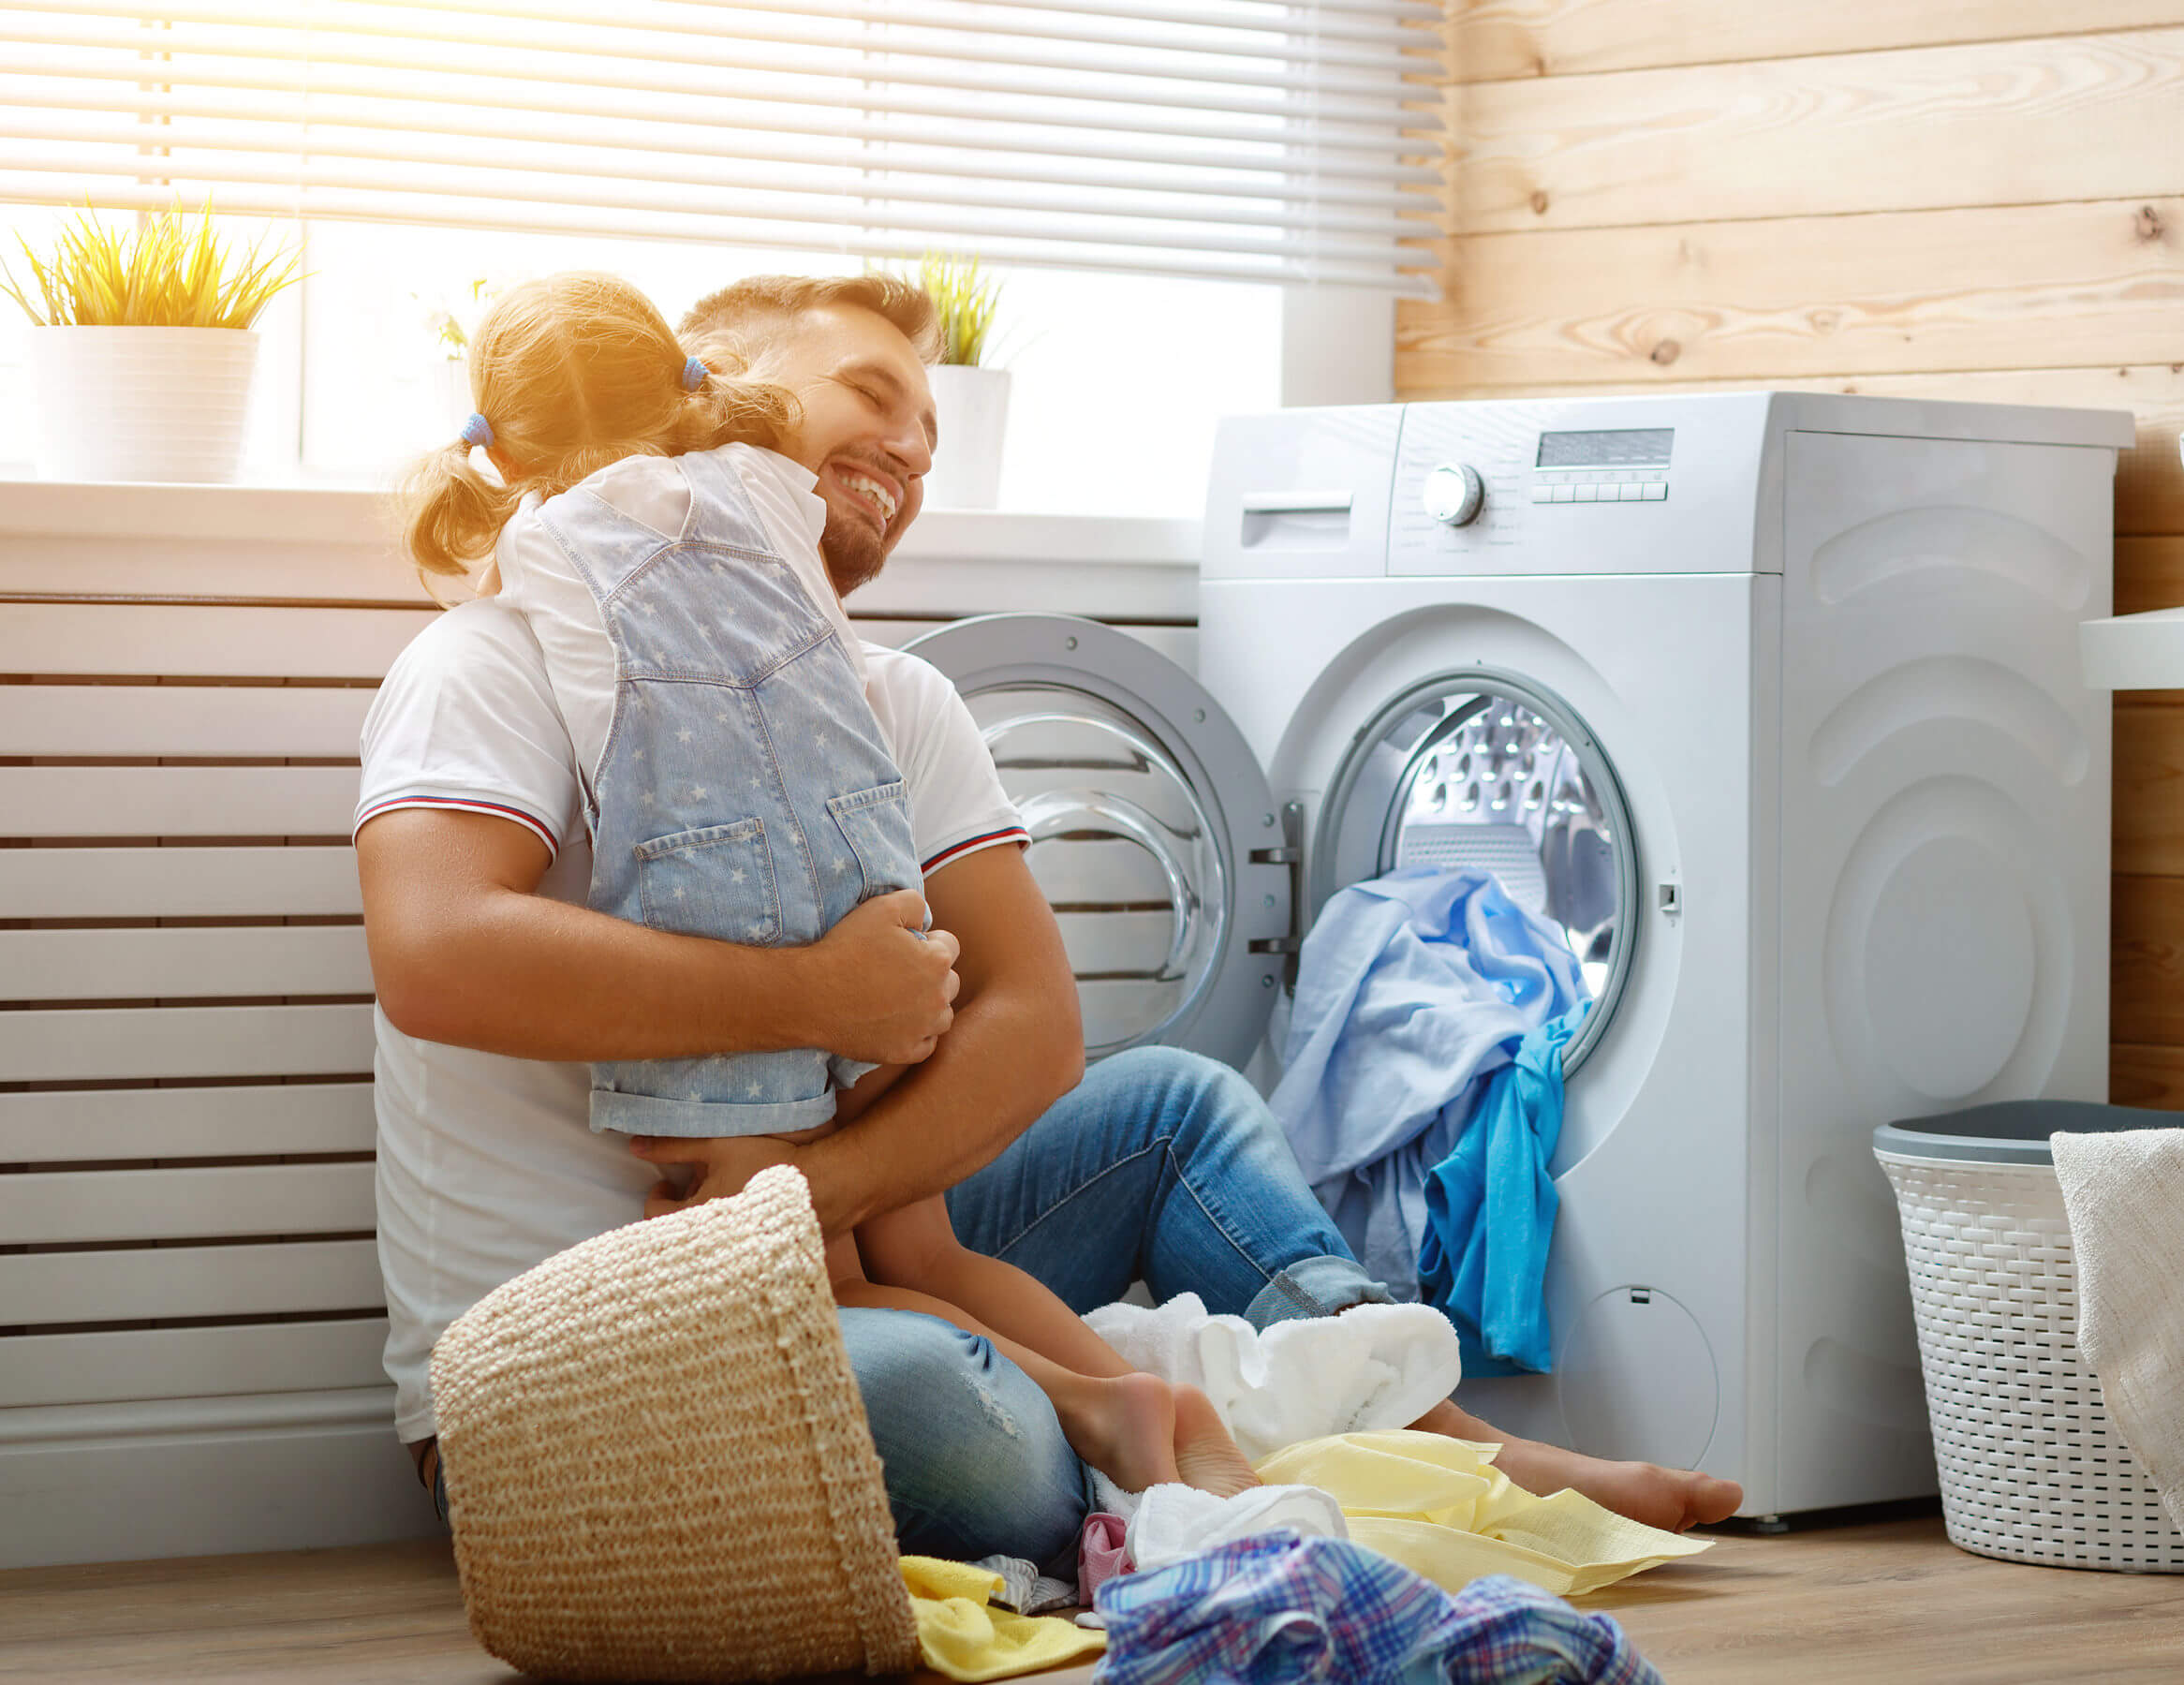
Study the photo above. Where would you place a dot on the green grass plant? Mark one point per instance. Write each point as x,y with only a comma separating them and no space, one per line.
169,270
966,300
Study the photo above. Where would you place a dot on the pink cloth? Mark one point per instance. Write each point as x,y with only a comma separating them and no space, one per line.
1101,1554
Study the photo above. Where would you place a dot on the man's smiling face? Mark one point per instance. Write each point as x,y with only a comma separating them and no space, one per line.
867,431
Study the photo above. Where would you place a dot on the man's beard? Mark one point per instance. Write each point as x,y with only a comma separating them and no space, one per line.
853,553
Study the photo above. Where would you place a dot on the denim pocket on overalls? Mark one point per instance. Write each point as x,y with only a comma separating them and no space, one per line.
717,881
876,823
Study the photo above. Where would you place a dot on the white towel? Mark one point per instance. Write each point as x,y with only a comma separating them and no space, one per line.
1174,1522
1375,1366
2124,1193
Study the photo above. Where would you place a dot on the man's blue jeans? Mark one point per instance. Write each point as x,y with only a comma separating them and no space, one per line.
1161,1166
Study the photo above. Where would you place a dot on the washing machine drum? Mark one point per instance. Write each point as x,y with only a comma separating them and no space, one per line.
1481,768
1157,843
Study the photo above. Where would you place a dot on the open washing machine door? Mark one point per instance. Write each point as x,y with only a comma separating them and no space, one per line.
1153,831
1157,840
1477,767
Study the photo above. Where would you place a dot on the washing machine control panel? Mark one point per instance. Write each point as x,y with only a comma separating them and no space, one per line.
1454,494
1572,485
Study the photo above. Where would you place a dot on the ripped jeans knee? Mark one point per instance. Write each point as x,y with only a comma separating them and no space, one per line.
975,1460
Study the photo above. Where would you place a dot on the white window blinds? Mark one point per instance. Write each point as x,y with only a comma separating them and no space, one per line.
1236,140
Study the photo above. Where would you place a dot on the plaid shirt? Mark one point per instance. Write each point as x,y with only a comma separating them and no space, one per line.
1280,1606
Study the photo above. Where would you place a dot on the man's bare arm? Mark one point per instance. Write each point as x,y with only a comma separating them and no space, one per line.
1016,1047
464,952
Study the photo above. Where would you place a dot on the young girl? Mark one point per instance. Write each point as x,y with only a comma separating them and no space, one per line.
736,782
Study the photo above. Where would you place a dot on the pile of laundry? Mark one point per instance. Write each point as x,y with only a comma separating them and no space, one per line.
1422,1089
1372,1554
1274,1608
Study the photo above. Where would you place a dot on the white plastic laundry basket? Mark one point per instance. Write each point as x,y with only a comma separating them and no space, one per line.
2032,1468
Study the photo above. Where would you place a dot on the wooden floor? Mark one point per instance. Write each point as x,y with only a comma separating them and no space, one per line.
1875,1605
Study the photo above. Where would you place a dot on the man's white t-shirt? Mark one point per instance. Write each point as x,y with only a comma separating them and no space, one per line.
488,1165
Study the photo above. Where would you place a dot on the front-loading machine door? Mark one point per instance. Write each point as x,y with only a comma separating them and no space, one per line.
1154,835
1179,888
1477,768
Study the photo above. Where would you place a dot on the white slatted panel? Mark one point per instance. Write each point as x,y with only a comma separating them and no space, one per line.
101,1043
1114,1011
1098,873
204,639
44,1207
177,883
238,683
178,801
182,720
190,1281
1116,941
78,1124
48,1370
138,1244
152,965
292,565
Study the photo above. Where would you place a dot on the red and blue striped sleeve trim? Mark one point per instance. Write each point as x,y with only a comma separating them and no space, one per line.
985,839
465,805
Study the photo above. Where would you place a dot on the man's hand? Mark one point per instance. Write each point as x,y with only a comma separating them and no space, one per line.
723,1164
880,986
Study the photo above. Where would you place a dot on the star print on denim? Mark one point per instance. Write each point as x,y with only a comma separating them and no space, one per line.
745,792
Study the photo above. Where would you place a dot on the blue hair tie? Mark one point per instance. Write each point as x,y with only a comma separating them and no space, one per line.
477,430
694,372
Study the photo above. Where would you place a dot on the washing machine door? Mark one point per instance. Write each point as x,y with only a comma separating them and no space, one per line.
1153,831
1480,767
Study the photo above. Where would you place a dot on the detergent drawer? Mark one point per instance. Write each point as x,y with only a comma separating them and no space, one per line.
1301,494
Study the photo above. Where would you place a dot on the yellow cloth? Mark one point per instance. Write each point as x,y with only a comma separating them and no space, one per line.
964,1637
1442,1508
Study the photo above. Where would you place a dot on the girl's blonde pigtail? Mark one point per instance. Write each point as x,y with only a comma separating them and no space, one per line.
735,409
455,513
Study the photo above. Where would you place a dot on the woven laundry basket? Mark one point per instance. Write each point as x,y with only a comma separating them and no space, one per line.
657,1464
2032,1468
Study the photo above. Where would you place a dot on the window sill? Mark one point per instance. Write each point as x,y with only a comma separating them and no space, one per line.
333,543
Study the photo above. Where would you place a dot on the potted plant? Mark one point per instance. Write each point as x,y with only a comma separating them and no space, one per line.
142,348
971,396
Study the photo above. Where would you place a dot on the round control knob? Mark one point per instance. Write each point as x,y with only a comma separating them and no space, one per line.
1454,494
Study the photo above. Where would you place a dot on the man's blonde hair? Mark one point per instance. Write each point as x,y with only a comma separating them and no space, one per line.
734,328
572,373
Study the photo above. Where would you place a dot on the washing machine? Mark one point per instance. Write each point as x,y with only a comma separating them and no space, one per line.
1769,700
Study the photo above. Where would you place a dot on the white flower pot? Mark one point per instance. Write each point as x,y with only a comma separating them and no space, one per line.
165,404
972,405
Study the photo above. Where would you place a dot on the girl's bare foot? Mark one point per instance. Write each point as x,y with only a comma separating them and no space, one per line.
1124,1425
1670,1499
1206,1455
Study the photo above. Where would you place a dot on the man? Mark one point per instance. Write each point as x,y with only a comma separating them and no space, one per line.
496,984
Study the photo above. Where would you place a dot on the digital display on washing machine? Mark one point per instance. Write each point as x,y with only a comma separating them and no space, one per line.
1623,447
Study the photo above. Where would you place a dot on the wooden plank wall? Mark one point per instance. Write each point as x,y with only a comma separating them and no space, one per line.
1958,199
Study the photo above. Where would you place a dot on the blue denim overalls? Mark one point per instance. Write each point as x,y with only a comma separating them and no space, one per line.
746,791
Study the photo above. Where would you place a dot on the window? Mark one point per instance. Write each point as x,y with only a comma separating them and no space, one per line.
1147,176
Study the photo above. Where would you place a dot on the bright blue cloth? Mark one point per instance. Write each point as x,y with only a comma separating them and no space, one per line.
1412,991
1490,1213
1278,1607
